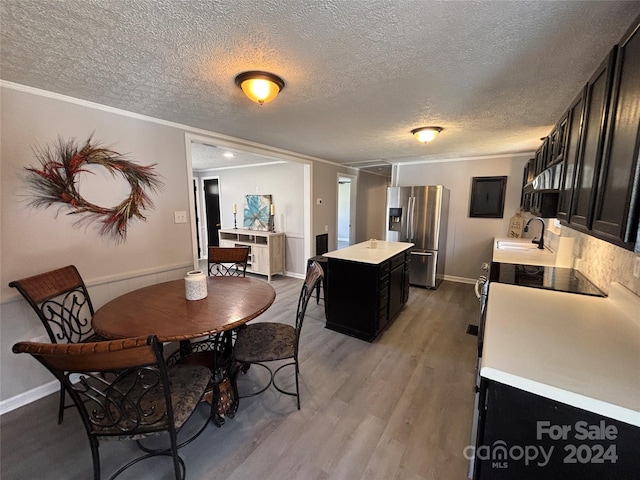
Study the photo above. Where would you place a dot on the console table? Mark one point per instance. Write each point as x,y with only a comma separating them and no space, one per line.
266,249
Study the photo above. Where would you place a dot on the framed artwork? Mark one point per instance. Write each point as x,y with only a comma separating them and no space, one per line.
487,197
257,213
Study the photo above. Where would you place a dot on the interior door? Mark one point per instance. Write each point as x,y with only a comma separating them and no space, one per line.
346,213
212,207
195,205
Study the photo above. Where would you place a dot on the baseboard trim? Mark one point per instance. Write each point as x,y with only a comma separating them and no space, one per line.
295,275
29,396
451,278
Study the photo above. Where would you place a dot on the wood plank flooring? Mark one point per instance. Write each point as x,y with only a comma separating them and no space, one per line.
398,408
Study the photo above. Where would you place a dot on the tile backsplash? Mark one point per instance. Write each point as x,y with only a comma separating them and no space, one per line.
601,262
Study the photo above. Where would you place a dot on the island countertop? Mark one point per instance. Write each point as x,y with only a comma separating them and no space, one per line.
362,252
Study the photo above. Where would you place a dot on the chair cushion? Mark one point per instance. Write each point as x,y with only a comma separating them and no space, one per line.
187,384
264,342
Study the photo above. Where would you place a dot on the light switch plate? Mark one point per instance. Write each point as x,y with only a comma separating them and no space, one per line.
180,217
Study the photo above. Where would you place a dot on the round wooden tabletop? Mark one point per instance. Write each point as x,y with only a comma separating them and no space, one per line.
163,310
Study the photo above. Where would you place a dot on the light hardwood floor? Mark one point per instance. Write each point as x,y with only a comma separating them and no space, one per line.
398,408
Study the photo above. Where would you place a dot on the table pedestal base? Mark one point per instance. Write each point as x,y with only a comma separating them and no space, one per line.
215,354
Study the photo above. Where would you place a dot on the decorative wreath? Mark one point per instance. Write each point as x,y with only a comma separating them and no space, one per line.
55,183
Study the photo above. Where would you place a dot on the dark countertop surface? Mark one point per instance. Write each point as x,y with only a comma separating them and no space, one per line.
549,278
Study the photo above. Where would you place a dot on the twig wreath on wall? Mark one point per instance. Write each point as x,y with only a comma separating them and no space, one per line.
56,183
257,214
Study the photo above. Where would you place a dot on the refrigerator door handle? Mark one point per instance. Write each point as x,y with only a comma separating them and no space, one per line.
412,213
424,254
408,236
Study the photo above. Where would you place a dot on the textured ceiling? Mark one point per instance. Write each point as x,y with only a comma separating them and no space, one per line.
360,74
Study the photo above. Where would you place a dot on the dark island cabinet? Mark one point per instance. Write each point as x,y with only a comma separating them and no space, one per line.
617,200
523,436
364,298
590,155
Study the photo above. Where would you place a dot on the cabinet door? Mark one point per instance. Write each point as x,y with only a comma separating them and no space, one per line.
260,259
541,156
559,140
514,421
572,147
616,213
596,108
523,196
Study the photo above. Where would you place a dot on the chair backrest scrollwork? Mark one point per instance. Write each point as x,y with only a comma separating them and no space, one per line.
62,303
228,261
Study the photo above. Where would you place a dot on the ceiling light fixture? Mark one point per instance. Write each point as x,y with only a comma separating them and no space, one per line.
426,134
261,87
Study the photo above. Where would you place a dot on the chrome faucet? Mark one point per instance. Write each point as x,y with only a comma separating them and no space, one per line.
541,241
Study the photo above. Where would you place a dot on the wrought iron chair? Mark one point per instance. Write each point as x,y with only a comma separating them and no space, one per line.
258,343
62,303
228,261
126,392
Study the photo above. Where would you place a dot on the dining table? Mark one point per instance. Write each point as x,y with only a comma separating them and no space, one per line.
163,310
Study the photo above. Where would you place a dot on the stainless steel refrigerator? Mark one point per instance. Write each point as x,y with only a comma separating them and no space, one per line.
419,215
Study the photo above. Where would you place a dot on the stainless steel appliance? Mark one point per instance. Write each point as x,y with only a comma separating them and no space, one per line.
482,291
419,215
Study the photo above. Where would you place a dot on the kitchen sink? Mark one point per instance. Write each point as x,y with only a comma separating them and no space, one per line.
507,245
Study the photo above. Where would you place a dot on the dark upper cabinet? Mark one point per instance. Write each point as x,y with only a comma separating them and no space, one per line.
572,146
557,142
592,143
598,144
617,200
541,156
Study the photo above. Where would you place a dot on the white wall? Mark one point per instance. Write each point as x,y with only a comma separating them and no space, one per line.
37,240
469,240
371,197
371,221
34,240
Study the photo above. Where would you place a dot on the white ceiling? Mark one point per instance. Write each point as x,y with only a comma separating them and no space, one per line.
360,74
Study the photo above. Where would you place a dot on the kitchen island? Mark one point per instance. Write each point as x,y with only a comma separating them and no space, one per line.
367,286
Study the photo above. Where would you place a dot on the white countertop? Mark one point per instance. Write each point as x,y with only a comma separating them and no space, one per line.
362,252
576,349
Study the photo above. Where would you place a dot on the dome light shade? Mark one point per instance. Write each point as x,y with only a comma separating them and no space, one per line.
426,134
260,87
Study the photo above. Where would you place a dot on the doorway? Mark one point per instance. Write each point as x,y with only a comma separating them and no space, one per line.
346,210
211,189
203,161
